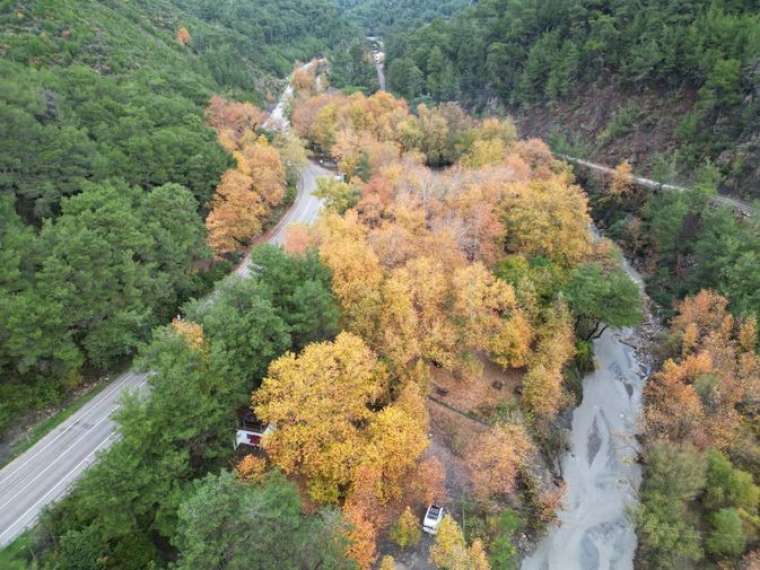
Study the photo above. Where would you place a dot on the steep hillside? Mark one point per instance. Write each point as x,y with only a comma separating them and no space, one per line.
684,77
379,17
107,166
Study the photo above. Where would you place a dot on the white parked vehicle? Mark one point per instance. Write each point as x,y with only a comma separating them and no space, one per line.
251,431
432,520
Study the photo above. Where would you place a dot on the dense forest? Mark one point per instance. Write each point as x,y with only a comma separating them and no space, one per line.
108,167
379,17
427,337
658,83
699,500
412,278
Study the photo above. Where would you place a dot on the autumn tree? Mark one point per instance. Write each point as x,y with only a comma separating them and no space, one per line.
183,36
397,439
319,401
261,162
413,319
484,153
542,385
497,457
338,196
388,563
490,317
246,194
450,551
237,213
232,120
676,412
356,272
406,531
478,556
621,183
547,217
298,239
427,483
191,332
695,396
362,537
251,468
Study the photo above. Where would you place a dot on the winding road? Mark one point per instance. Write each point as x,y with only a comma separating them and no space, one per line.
47,471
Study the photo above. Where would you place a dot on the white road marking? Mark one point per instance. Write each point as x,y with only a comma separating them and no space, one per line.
58,457
68,425
305,209
63,480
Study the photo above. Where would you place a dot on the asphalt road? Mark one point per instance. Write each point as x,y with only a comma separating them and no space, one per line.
45,472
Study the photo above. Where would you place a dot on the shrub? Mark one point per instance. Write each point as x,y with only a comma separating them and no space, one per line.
727,538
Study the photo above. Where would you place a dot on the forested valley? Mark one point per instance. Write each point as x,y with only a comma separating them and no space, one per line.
665,85
109,168
427,336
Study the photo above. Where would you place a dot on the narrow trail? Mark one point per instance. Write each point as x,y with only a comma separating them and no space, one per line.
594,531
744,208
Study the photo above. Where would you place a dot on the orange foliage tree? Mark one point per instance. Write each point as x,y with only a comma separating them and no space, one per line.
183,36
232,120
298,239
245,194
261,162
237,213
695,396
496,458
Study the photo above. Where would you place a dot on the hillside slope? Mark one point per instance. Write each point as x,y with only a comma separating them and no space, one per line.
379,17
680,81
107,166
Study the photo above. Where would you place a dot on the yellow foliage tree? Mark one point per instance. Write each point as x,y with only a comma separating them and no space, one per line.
449,551
406,531
542,390
191,332
484,153
542,385
397,439
320,402
236,213
261,162
388,563
510,344
547,217
356,272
